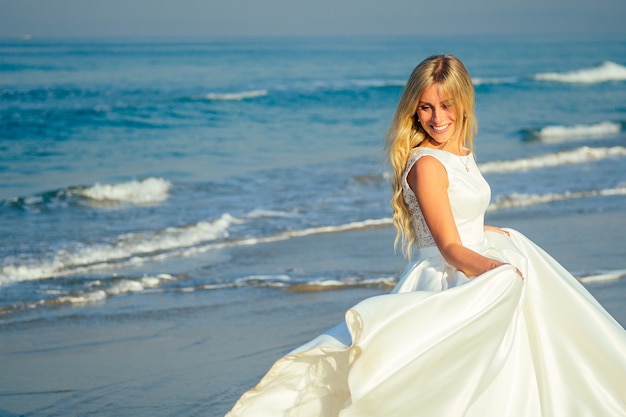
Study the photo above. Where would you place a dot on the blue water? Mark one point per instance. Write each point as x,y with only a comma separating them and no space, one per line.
116,155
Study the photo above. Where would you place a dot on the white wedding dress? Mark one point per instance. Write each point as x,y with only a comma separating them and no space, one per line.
442,345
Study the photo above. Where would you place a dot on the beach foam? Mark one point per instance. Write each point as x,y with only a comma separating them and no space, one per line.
98,291
132,248
518,200
135,248
237,96
574,156
576,132
191,240
493,81
148,191
607,71
603,276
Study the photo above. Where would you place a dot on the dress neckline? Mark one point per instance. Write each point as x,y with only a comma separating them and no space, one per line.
444,151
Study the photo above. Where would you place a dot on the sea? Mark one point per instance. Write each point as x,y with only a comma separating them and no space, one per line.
129,165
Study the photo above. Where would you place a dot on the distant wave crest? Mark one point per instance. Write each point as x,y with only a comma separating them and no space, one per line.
607,71
148,191
604,276
237,96
493,81
304,87
135,248
132,248
361,84
574,156
519,200
580,131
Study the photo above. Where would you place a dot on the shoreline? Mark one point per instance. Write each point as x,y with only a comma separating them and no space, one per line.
168,354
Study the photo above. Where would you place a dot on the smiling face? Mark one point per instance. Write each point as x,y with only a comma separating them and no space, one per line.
437,113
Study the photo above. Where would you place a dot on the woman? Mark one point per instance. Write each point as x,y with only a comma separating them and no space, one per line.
513,334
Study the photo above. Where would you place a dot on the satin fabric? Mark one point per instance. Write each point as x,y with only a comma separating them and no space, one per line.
441,344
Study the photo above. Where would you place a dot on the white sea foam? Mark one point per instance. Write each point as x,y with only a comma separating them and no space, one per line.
348,282
517,200
564,133
123,286
607,71
129,248
139,247
603,276
574,156
79,299
301,233
260,213
238,96
369,83
493,81
148,191
205,236
259,281
342,85
284,281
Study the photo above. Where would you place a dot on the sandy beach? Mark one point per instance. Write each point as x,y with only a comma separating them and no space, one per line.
168,355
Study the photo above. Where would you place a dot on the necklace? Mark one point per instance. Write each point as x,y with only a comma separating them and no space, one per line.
466,162
440,147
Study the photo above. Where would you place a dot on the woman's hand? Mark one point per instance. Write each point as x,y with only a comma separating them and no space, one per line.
497,264
496,229
506,233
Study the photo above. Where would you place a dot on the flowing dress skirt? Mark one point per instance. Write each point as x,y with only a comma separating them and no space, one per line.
442,345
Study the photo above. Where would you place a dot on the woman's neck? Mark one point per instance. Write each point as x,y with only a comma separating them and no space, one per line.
454,147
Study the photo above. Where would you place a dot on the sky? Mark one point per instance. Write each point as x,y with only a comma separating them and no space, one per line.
218,18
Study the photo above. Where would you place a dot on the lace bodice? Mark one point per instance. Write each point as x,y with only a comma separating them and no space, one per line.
468,192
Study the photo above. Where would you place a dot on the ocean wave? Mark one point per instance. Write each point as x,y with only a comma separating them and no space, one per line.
100,290
363,84
493,81
303,87
290,234
132,248
286,235
195,239
603,276
302,285
297,285
343,283
557,133
136,248
139,192
148,191
519,200
237,96
574,156
606,71
260,213
94,292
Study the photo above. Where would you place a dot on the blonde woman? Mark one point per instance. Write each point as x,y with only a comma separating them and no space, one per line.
482,323
436,112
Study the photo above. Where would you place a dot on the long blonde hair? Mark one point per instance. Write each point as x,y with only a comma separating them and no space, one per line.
406,133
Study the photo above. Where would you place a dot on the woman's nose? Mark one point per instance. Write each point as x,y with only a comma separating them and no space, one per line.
435,116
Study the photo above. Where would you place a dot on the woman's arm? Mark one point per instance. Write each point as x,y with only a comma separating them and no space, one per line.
429,181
